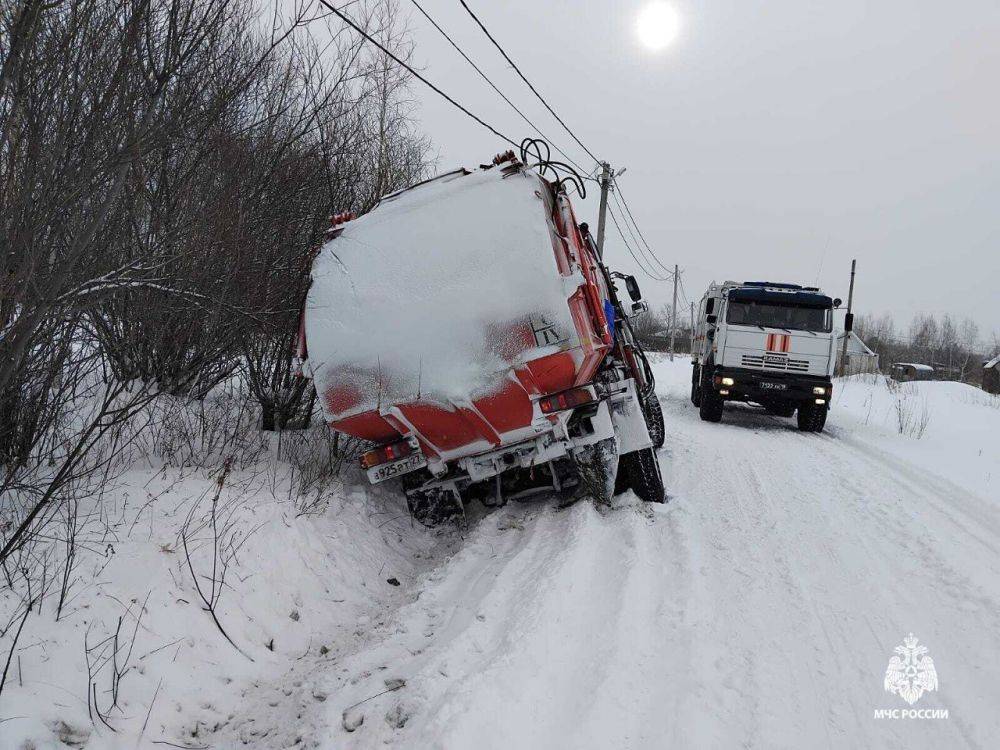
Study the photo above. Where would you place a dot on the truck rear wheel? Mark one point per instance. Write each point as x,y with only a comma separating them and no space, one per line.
812,417
598,467
653,412
434,506
643,472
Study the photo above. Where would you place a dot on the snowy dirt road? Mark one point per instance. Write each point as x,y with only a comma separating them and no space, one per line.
758,609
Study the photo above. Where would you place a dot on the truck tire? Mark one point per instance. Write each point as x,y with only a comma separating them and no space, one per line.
812,417
696,385
653,412
710,409
434,507
643,472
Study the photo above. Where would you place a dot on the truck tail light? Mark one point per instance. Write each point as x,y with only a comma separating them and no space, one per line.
565,400
386,453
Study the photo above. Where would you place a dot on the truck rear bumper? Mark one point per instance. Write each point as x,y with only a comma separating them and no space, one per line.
617,415
737,384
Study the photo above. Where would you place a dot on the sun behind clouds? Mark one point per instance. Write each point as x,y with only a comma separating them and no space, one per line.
657,25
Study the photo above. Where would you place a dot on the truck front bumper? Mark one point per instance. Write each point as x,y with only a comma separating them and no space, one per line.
762,387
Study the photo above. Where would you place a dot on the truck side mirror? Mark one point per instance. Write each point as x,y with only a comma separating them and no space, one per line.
849,322
633,288
711,319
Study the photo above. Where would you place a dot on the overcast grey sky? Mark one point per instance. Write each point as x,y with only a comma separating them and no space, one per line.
772,140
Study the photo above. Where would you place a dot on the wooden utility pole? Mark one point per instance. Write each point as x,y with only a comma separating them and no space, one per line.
673,316
692,328
847,317
605,182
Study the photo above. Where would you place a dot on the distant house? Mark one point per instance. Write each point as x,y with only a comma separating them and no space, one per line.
991,375
859,357
906,371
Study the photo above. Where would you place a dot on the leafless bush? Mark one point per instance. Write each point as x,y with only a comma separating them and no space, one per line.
204,433
318,458
110,656
912,411
14,627
220,535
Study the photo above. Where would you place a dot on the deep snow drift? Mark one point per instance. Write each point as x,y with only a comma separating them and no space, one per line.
759,608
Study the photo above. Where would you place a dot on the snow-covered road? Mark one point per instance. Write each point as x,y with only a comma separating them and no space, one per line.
759,608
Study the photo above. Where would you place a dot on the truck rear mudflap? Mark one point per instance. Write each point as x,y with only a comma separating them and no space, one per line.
763,387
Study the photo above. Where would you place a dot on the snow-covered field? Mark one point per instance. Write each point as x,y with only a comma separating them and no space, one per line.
759,608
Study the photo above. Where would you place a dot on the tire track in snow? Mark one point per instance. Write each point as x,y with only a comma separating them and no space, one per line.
834,564
758,609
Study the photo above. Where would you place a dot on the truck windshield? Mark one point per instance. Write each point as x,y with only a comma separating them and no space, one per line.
776,315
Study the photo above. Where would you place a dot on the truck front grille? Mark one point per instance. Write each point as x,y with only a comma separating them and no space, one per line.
793,365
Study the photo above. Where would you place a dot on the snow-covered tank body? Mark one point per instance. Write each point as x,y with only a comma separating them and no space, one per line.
445,312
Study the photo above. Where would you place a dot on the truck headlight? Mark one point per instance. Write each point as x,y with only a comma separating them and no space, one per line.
820,401
819,391
728,381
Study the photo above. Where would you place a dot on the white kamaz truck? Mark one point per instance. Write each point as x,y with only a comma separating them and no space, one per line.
767,343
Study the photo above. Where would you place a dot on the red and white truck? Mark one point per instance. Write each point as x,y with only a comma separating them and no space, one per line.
467,328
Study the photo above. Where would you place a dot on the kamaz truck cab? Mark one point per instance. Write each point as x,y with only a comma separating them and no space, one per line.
768,343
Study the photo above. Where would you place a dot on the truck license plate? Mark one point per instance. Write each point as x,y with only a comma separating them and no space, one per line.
381,473
773,386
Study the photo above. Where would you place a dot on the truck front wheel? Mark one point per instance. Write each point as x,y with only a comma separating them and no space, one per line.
643,471
710,408
812,417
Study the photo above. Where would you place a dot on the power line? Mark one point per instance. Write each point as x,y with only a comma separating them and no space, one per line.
638,262
524,78
493,85
683,293
645,255
634,222
346,19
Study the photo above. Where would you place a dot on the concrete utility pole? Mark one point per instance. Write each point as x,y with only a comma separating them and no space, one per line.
605,182
673,316
847,334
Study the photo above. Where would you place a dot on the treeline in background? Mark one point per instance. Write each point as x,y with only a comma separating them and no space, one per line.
167,168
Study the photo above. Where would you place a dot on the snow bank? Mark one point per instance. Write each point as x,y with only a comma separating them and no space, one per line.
304,578
948,425
432,294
